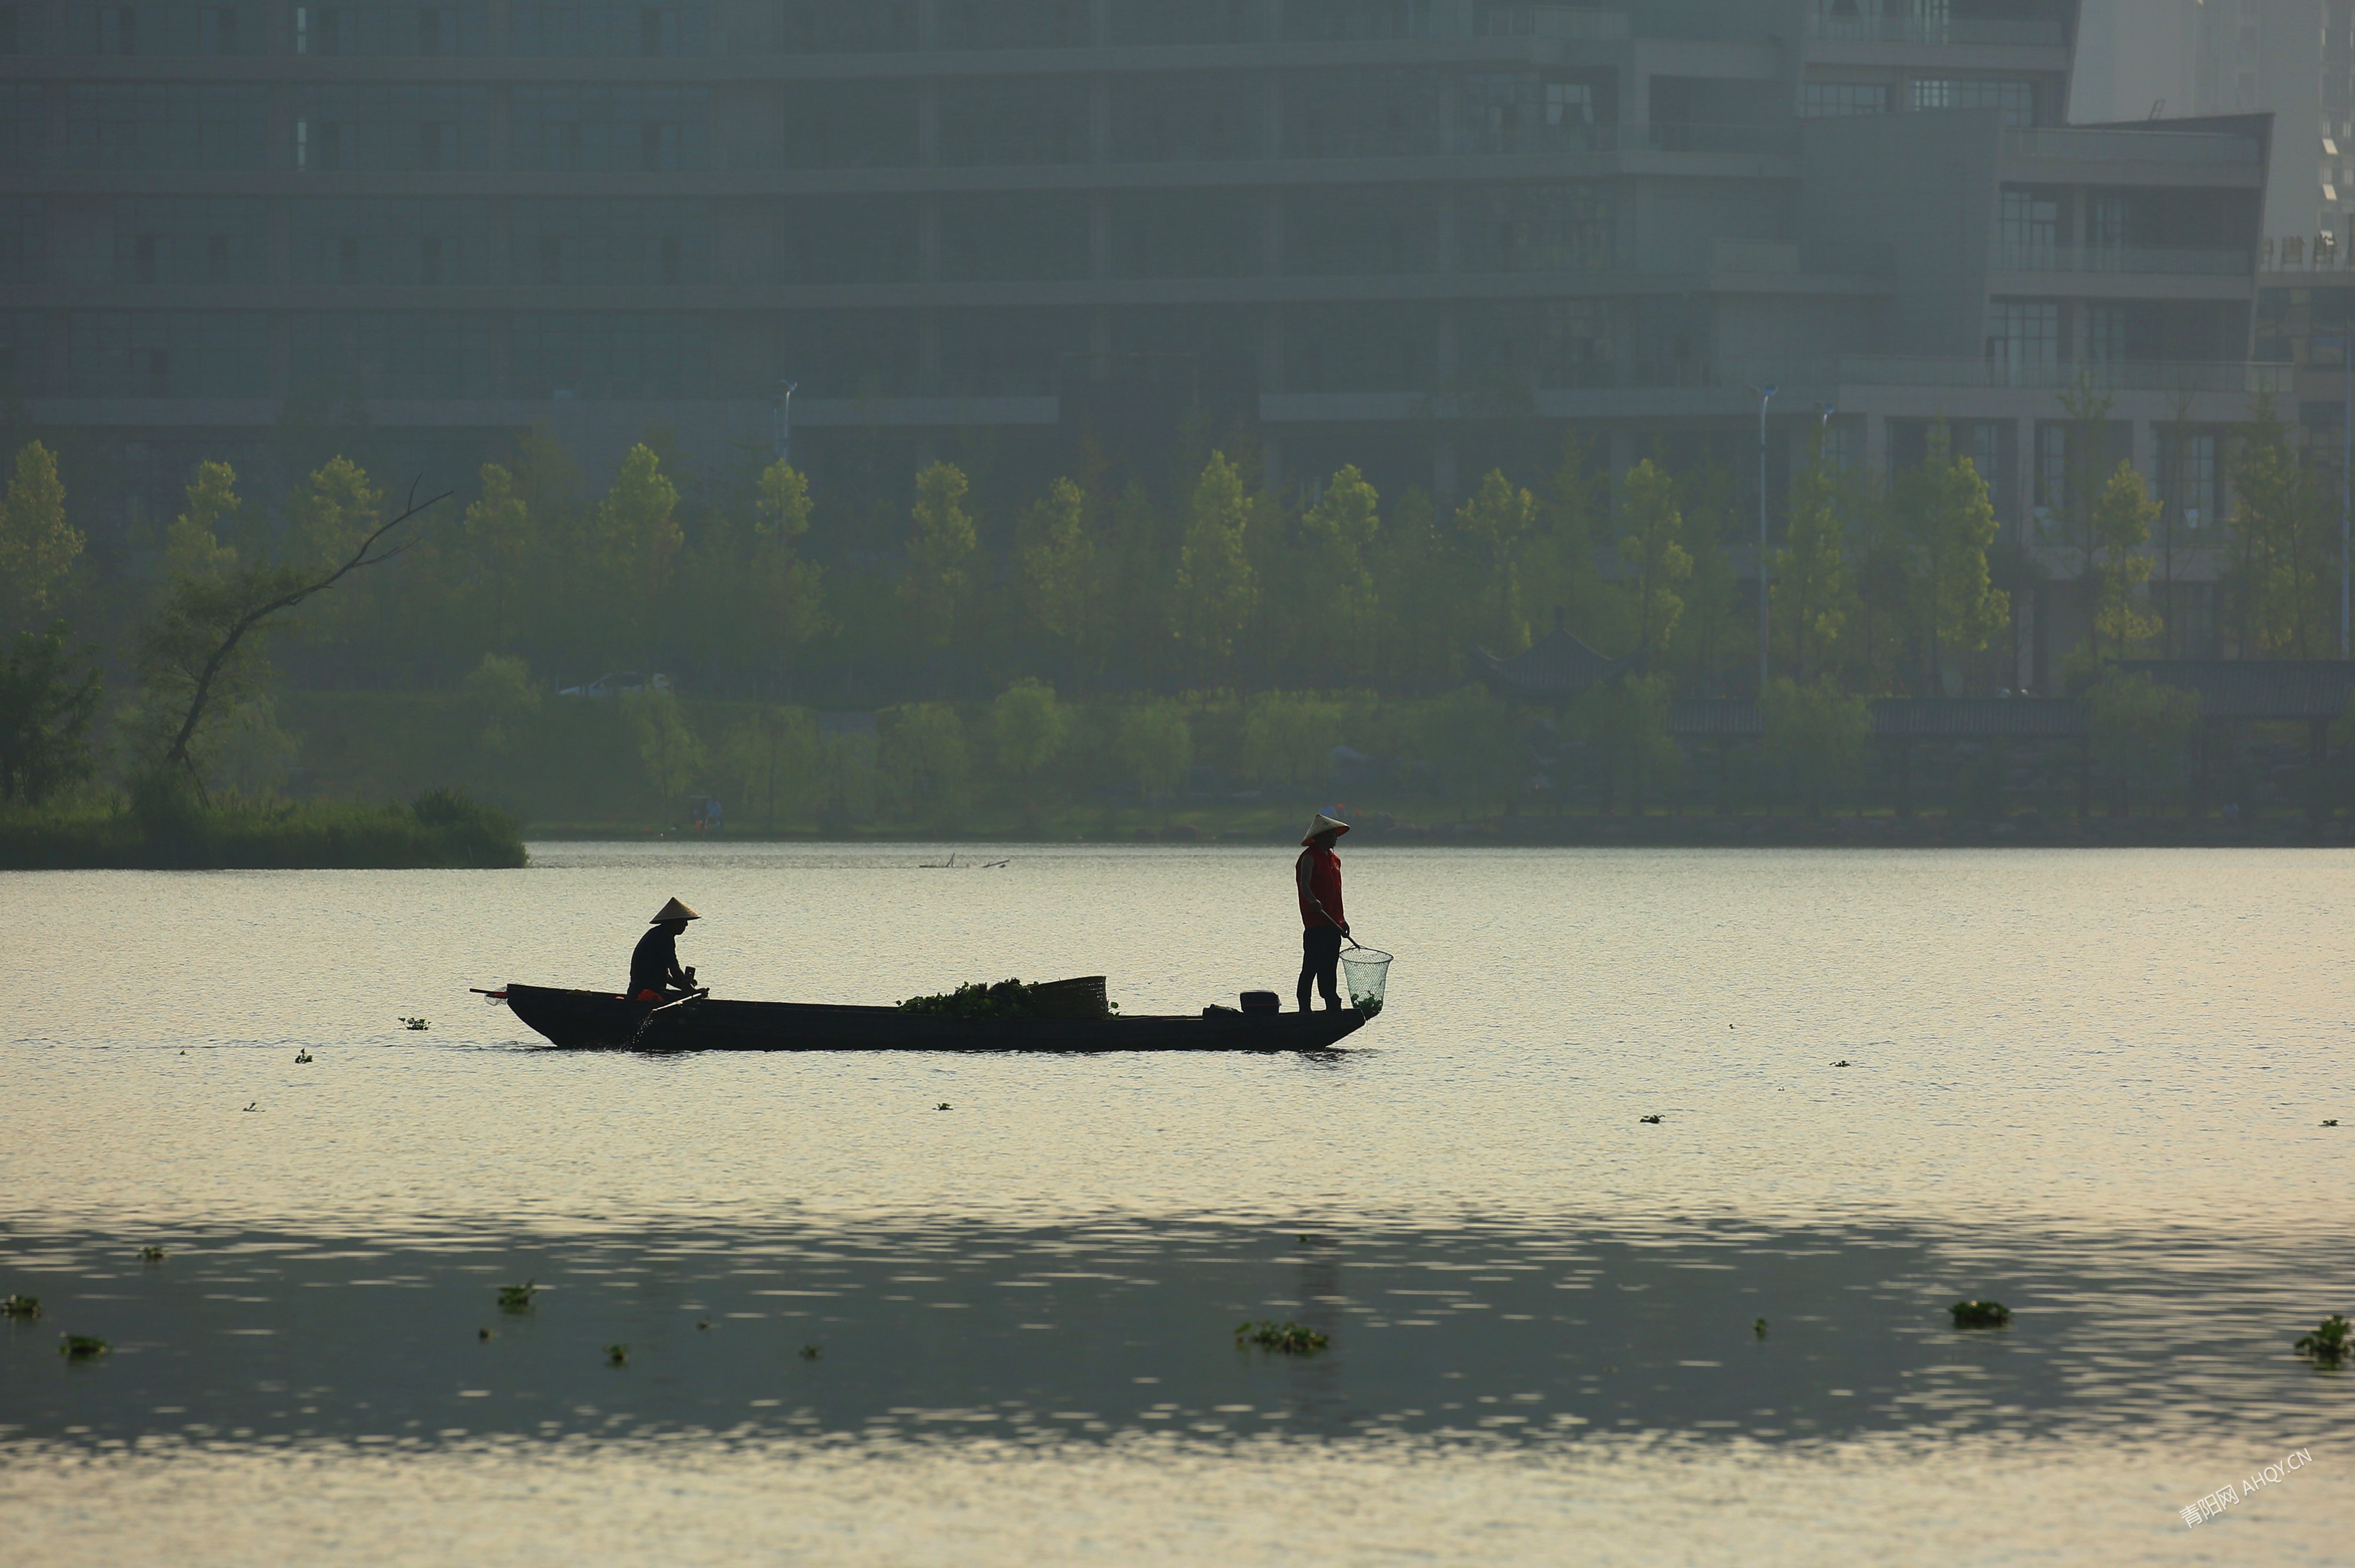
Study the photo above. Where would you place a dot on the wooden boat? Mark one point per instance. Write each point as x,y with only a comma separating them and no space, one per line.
588,1020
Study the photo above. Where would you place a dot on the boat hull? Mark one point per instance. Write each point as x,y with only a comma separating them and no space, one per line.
586,1020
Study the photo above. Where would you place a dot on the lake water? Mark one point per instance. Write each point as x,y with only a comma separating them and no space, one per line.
864,1328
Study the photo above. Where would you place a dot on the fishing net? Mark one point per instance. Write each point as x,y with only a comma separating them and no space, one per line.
1364,974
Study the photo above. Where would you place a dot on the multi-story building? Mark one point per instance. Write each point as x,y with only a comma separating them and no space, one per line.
1424,236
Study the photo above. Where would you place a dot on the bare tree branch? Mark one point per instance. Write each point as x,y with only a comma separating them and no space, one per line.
368,555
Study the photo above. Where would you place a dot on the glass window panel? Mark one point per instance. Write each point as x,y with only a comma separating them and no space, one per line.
612,354
393,28
1361,114
1524,111
1008,354
1843,100
1188,118
24,354
610,30
165,27
846,26
611,244
1186,21
177,125
2016,100
1361,229
1015,119
1360,348
168,354
1535,228
849,354
849,125
1024,236
848,240
391,355
1537,344
1013,23
191,240
1336,21
391,243
391,129
23,232
23,27
24,125
1185,234
599,128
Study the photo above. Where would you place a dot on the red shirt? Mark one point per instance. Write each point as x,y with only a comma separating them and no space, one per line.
1318,872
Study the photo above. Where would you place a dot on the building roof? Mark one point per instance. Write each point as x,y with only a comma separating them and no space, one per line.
1554,668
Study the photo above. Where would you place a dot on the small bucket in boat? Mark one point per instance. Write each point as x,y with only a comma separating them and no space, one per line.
1364,973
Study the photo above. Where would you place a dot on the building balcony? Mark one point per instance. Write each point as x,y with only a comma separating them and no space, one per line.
2137,261
2118,156
1940,31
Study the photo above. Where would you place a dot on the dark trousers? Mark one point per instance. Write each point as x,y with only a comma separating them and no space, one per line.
1321,962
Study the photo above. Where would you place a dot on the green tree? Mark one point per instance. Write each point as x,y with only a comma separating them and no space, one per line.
941,546
1493,524
1288,737
1473,740
1560,573
502,699
1155,743
2122,518
634,537
38,546
773,760
1056,568
1216,588
1817,735
1625,725
2140,730
1028,727
1813,597
503,543
667,747
1341,530
335,508
2279,576
193,550
1708,633
1652,546
1947,522
45,708
923,766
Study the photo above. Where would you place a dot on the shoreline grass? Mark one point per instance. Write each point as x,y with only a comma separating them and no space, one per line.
438,830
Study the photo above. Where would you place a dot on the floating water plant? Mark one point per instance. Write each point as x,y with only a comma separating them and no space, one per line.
942,1106
617,1355
809,1353
2329,1344
482,1333
152,1255
1759,1327
1285,1339
702,1323
82,1347
1651,1121
417,1024
517,1297
1980,1314
303,1056
20,1306
1843,1062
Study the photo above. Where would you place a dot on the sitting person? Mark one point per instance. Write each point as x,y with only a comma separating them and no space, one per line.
655,974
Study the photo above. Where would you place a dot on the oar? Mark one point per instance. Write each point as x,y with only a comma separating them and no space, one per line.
653,1013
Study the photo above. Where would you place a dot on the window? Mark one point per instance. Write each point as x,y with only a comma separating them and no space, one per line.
2015,99
21,27
390,243
1013,23
1184,234
163,28
610,30
849,125
1016,120
2023,342
2105,333
1541,343
1360,348
404,355
23,229
1019,237
393,28
168,354
2187,480
187,240
24,125
2027,230
1356,230
1186,21
1524,111
1360,115
24,352
846,26
2106,231
613,244
849,354
612,355
848,240
1008,354
1842,99
1534,228
1186,118
166,126
1337,21
611,130
391,129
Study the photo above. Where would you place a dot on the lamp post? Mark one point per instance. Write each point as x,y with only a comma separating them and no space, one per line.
785,422
1765,396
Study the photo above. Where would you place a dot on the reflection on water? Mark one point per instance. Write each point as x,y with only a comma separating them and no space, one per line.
2090,1085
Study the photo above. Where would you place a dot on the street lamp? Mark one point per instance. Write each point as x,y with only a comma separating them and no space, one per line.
1765,396
785,423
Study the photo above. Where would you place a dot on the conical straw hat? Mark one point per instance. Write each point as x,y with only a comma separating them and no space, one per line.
1324,825
674,910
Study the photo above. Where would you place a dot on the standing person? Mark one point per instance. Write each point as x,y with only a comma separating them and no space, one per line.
655,974
1318,874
